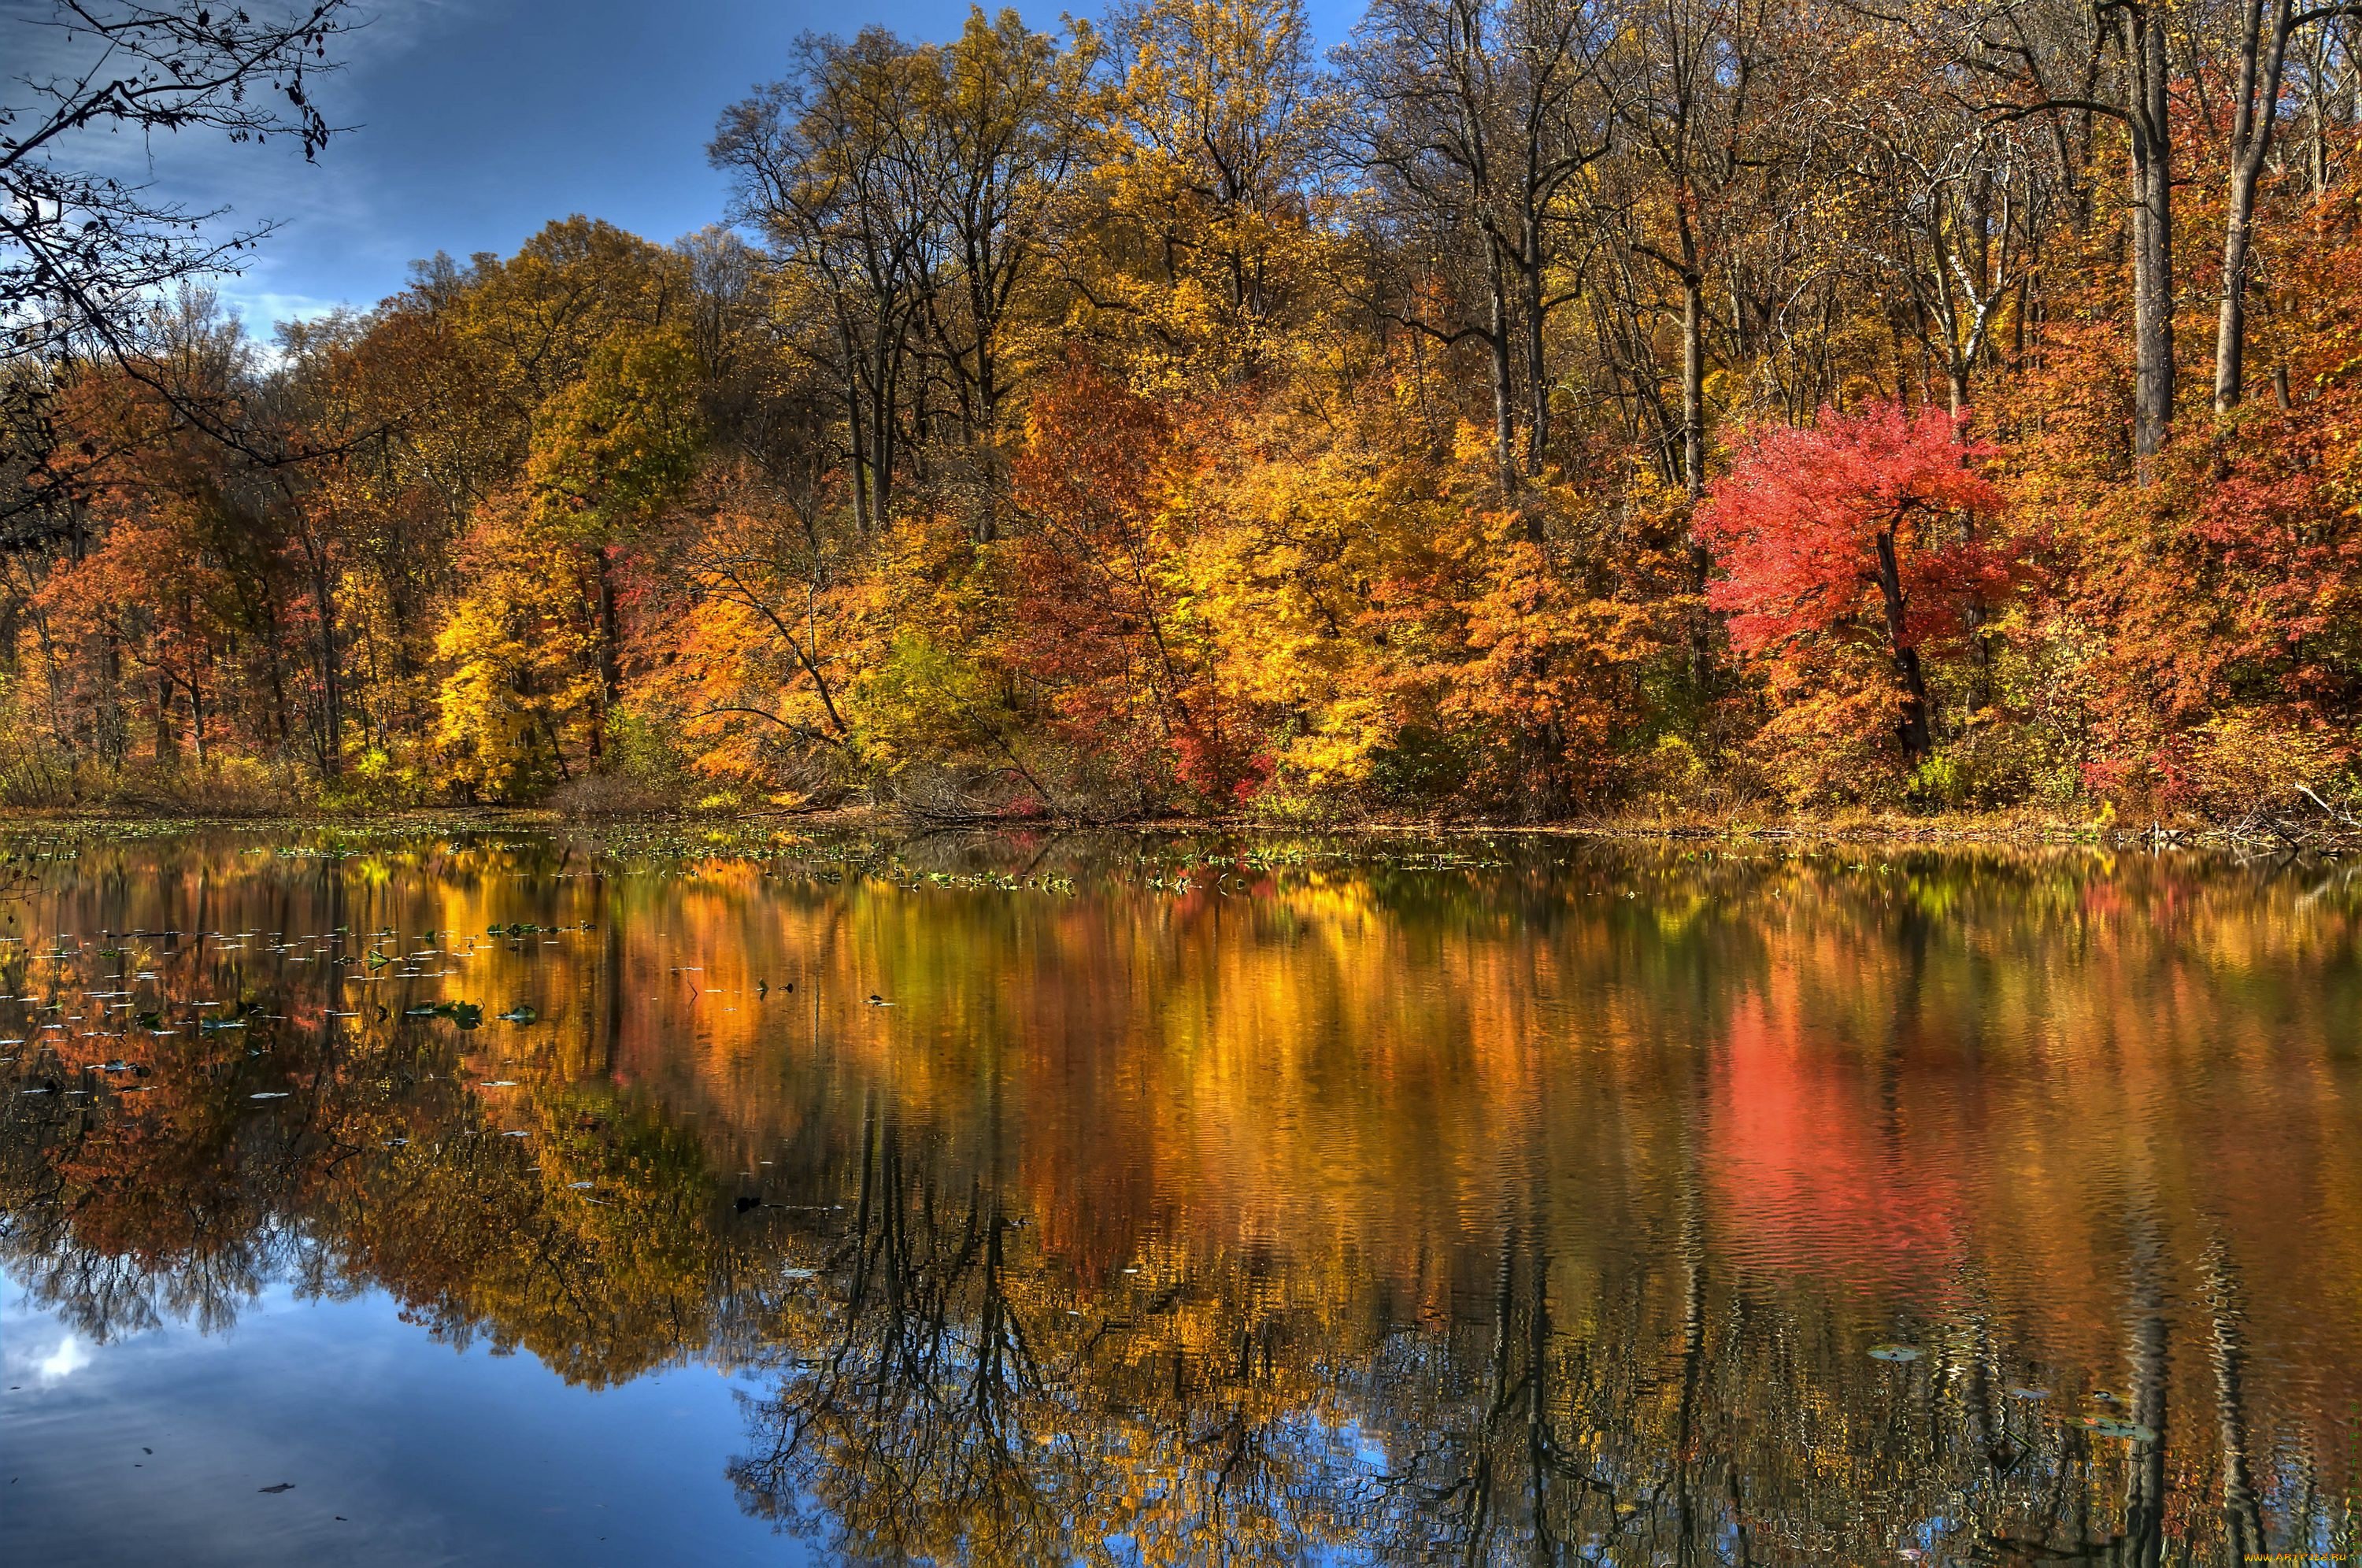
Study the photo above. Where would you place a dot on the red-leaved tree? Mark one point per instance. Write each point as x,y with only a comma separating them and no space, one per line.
1871,525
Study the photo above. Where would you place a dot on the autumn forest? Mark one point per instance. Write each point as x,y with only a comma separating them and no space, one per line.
1529,409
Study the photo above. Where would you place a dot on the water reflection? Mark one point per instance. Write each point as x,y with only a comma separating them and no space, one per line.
1187,1202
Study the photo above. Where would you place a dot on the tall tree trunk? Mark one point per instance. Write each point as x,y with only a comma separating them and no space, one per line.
1917,725
862,510
2230,318
2263,53
1537,380
1694,384
987,386
2152,223
2317,155
1505,390
168,741
1694,462
611,669
332,693
884,398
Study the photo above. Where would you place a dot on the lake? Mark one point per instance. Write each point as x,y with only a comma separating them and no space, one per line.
482,1196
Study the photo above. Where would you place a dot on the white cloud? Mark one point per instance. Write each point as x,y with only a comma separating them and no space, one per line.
321,206
69,1355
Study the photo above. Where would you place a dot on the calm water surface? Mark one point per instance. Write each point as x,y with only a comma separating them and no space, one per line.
492,1197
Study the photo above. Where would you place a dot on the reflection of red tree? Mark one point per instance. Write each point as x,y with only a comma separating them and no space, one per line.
1806,1177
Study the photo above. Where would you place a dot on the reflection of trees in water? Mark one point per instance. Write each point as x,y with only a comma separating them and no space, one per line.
941,1403
946,1400
904,1412
1582,1352
377,1171
2243,1525
943,1388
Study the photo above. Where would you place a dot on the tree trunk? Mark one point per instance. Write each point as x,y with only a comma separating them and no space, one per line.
2231,320
2152,222
168,742
1915,727
610,670
332,693
858,440
1694,464
1504,391
987,386
1537,381
2263,53
1694,384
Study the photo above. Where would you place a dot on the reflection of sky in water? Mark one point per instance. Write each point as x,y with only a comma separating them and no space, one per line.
430,1455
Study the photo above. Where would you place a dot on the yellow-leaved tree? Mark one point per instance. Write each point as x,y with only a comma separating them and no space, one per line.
533,649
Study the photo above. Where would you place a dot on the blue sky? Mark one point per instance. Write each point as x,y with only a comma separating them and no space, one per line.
476,121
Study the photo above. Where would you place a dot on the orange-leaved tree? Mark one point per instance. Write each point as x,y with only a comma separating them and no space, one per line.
1106,627
1870,528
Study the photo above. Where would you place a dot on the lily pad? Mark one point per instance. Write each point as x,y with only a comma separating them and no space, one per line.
1894,1352
2111,1427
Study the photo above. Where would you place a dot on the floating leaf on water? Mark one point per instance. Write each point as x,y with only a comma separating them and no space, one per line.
1894,1353
519,1014
578,1186
799,1273
496,1083
2111,1427
269,1094
2029,1392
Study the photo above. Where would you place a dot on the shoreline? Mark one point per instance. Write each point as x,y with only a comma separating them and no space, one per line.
1947,830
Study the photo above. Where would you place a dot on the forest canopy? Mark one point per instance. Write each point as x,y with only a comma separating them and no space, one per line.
1528,408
